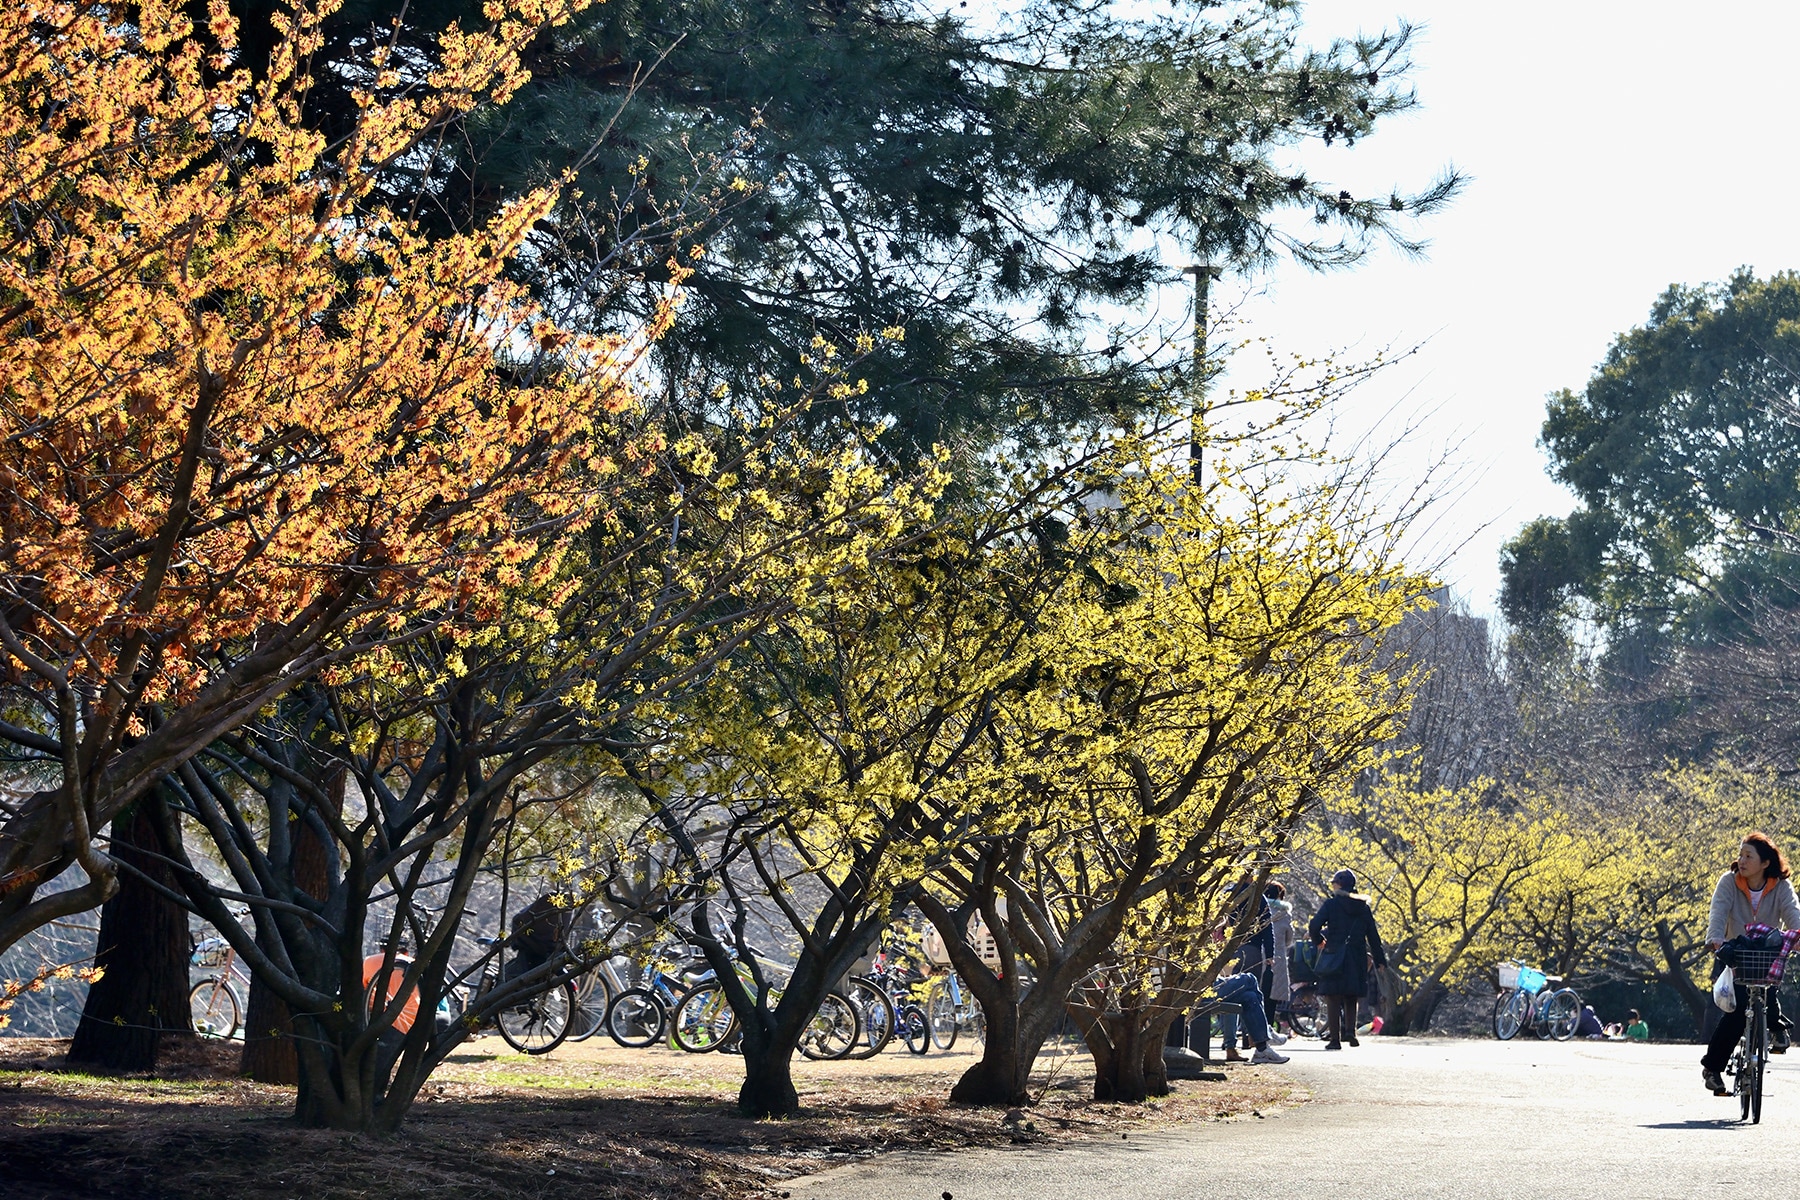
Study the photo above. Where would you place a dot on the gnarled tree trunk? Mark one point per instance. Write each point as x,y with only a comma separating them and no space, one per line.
1128,1052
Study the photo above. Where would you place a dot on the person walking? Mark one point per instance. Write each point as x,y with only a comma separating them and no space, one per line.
1756,891
1281,926
1349,951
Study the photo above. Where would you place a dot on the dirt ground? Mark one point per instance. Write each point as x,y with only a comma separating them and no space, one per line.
588,1120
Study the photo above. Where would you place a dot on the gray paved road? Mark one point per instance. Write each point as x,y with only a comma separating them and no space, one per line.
1406,1118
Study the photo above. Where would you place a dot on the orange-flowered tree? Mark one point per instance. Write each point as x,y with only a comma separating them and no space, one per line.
253,422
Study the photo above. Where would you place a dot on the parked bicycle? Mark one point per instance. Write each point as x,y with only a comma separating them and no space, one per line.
1300,1011
704,1020
901,985
639,1016
217,1001
1529,1000
876,1019
594,994
950,1009
534,1024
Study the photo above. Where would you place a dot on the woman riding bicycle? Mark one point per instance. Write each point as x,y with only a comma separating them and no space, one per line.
1755,891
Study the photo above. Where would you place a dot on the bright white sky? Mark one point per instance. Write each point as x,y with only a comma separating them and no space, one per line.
1615,147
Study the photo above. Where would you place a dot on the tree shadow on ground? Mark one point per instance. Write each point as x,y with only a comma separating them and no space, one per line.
479,1135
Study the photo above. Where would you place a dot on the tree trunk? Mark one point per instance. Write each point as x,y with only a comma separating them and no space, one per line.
1128,1057
144,950
768,1087
1156,1069
1018,1021
1128,1085
998,1078
268,1027
337,1083
769,1043
268,1038
1698,1002
1414,1014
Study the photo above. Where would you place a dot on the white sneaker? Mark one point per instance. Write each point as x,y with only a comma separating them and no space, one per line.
1267,1058
1277,1038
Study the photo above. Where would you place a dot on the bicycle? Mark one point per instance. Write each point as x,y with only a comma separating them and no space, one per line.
1528,1000
216,1002
1300,1011
704,1020
948,1009
594,994
638,1016
898,983
1758,963
534,1024
875,1016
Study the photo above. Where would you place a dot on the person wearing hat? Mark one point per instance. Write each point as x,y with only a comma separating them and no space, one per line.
1349,950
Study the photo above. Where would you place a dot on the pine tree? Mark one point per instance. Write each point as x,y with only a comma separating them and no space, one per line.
993,185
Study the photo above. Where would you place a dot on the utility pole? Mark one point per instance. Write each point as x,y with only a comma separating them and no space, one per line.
1202,272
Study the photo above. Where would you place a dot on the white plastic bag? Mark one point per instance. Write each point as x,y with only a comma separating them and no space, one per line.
1725,990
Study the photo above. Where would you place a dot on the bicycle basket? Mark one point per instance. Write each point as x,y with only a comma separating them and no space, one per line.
1509,975
1753,959
213,953
1532,979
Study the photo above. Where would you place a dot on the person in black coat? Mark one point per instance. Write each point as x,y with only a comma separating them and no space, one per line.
1345,922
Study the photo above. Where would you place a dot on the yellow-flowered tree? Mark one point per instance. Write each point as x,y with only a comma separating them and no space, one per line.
1443,868
1222,665
821,780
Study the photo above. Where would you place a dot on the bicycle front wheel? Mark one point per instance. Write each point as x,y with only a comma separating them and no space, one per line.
875,1028
1303,1017
941,1017
1562,1015
539,1025
1757,1040
1511,1011
635,1018
703,1019
213,1009
833,1030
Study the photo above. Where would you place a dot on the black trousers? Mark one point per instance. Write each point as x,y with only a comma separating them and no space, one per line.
1731,1027
1340,1017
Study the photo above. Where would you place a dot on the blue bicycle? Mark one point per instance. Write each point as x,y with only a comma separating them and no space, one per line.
1530,999
639,1016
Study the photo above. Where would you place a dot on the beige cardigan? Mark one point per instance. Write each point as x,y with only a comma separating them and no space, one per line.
1731,908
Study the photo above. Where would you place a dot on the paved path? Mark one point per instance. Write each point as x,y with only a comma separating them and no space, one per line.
1406,1118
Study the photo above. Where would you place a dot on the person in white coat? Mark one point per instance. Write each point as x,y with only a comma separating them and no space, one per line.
1281,921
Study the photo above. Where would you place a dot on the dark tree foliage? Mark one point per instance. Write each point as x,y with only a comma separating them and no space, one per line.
997,185
1682,449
